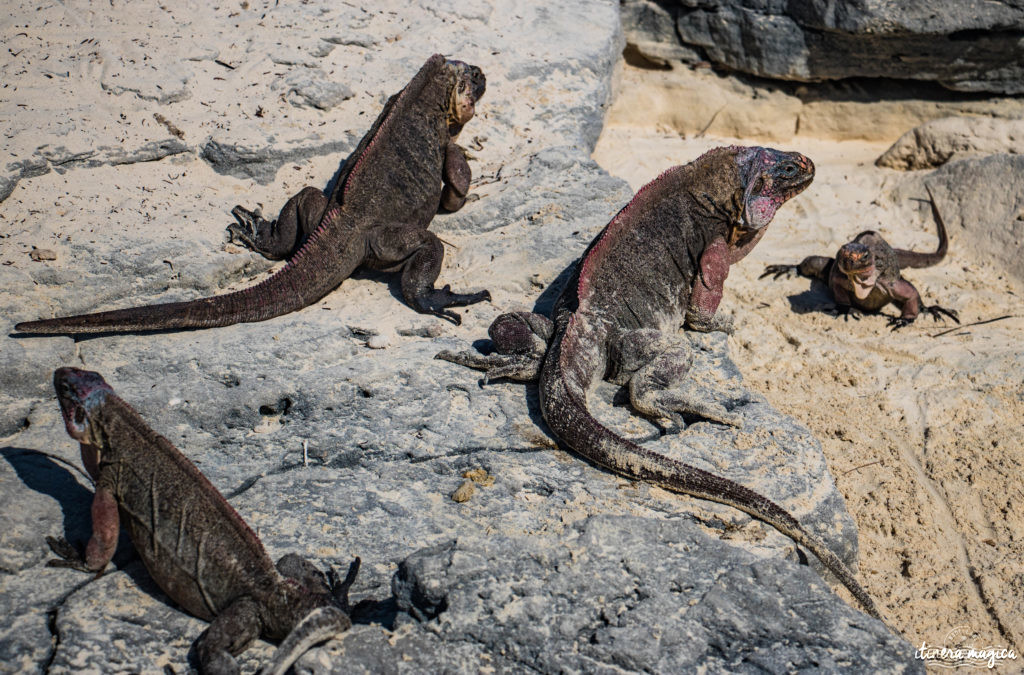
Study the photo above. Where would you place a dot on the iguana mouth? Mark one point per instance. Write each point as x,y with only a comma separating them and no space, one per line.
468,88
863,281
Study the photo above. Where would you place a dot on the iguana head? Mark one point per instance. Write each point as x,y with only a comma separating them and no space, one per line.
857,262
770,178
80,393
468,86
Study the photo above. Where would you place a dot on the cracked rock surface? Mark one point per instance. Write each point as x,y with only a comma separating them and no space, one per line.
331,449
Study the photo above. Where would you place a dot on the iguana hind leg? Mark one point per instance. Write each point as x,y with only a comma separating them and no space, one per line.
278,239
657,367
228,636
520,342
419,254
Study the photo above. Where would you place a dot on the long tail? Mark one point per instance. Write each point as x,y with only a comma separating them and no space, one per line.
563,387
906,258
305,279
321,624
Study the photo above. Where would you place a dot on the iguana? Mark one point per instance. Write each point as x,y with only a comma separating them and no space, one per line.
661,262
404,169
866,275
193,543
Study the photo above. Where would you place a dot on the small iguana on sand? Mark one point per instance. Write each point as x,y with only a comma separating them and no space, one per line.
660,262
866,275
404,169
193,543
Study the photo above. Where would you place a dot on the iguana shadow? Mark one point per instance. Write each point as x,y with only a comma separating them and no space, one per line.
46,476
817,298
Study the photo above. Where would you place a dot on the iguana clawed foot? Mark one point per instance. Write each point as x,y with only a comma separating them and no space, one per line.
937,312
68,556
672,404
496,366
710,323
437,300
249,223
777,271
847,312
340,587
520,343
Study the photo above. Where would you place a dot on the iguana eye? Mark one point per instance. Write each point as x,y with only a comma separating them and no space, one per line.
789,170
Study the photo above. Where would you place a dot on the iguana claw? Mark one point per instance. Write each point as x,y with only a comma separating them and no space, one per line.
897,322
340,587
847,312
247,226
937,312
776,271
68,555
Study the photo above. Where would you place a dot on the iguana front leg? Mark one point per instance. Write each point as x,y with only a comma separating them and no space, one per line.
456,176
657,367
106,526
907,298
708,288
279,239
813,267
228,636
419,253
520,342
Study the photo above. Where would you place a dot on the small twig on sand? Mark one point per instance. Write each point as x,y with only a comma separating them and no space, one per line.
305,453
447,243
976,323
857,468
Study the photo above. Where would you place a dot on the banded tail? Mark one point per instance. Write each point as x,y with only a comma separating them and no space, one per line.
302,281
906,258
601,445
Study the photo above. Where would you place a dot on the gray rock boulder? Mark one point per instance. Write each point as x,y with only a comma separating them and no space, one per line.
981,200
973,47
936,142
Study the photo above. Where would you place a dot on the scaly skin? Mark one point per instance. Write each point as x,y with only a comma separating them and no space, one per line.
404,169
193,543
866,275
661,261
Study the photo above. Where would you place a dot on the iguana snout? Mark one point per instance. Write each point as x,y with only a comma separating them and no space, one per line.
858,264
469,87
79,392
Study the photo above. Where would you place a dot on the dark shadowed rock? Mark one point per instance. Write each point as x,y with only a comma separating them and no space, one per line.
973,47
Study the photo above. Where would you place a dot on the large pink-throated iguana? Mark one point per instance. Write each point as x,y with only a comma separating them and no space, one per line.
659,264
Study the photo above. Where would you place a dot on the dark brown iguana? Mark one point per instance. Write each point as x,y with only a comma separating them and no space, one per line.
660,262
404,169
195,546
866,275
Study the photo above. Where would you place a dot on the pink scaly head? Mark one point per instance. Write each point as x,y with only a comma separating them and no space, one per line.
772,177
80,393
